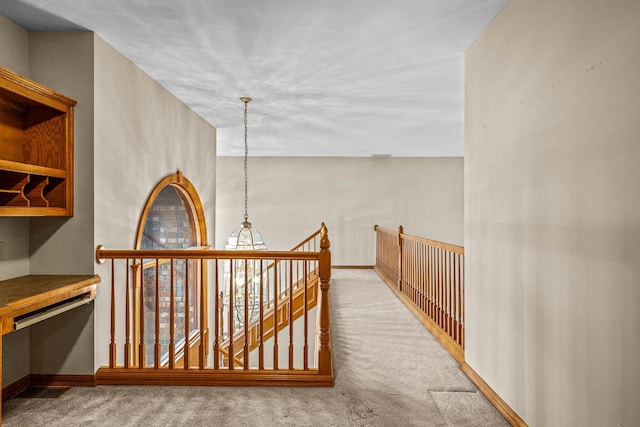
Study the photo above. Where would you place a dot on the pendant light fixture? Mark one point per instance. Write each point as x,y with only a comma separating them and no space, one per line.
245,276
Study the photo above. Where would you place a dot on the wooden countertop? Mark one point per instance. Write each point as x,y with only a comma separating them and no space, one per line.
25,294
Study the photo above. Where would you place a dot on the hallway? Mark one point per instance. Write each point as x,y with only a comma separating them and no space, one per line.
389,371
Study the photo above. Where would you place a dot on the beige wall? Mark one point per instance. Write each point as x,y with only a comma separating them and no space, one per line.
552,210
289,198
142,134
14,232
64,62
14,47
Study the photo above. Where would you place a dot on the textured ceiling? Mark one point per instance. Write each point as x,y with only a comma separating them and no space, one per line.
328,77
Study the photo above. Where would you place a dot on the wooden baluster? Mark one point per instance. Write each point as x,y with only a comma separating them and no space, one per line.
436,272
141,347
447,258
325,366
440,311
446,291
429,283
203,321
434,261
434,253
305,349
135,315
187,317
443,260
406,268
414,278
291,314
112,345
172,316
261,323
456,268
447,278
461,266
156,347
452,295
416,273
440,289
423,278
127,320
450,290
400,251
276,297
245,357
417,284
231,353
217,320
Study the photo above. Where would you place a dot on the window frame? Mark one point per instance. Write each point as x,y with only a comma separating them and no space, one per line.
191,200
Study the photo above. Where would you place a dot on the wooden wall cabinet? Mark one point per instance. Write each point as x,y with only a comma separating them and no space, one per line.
36,148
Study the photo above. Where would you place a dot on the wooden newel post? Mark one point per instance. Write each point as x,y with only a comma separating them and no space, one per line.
325,366
400,232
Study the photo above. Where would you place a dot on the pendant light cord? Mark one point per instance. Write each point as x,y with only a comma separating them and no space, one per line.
246,154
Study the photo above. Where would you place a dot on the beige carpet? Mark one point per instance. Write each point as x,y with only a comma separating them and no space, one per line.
389,371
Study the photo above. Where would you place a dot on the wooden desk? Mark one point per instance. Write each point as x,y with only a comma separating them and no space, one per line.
27,294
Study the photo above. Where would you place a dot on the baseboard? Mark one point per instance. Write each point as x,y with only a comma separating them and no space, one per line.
458,354
15,388
493,397
70,380
352,267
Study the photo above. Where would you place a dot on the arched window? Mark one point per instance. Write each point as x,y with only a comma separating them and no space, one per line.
172,218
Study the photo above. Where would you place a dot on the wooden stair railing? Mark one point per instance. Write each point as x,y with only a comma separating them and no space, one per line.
428,276
270,314
197,360
280,310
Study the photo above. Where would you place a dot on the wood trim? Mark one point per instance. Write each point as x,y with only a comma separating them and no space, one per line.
189,196
103,254
352,267
493,397
15,388
434,243
45,95
43,380
452,347
70,380
209,377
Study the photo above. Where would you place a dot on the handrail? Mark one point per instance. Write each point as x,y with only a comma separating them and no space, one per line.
435,243
308,239
102,254
152,306
428,276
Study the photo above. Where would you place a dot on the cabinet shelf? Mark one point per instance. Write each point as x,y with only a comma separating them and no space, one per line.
36,148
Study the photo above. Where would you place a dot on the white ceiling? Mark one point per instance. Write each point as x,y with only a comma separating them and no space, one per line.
327,77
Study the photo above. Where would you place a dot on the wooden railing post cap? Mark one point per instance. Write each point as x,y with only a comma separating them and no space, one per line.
324,238
375,227
400,229
99,260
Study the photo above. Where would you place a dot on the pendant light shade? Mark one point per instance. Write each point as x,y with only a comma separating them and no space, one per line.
246,238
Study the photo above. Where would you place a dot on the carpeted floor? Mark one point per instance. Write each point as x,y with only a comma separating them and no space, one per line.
389,371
